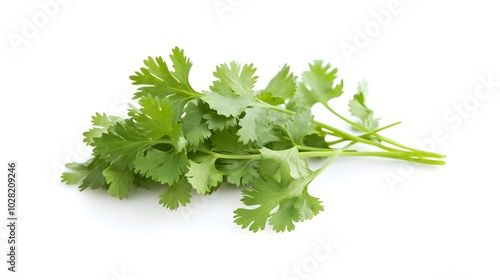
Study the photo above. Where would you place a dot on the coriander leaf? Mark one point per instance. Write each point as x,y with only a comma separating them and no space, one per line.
184,140
290,197
157,119
285,216
317,85
232,92
256,126
240,80
219,122
307,206
300,125
79,171
194,126
240,171
143,182
282,85
122,144
164,167
358,108
267,195
101,124
251,125
160,82
284,163
203,175
227,105
315,140
95,178
270,99
227,141
182,66
177,194
90,174
119,181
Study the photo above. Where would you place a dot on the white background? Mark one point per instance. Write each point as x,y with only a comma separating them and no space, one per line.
433,223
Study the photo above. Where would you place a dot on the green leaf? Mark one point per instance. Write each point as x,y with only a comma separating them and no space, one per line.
358,108
281,164
251,125
101,124
240,172
240,80
95,178
227,141
300,125
317,85
122,144
160,82
315,140
227,105
194,126
143,182
285,217
79,171
182,66
219,122
290,199
270,99
156,117
267,195
233,91
165,167
119,181
281,202
257,126
156,121
307,206
203,175
282,85
177,194
89,174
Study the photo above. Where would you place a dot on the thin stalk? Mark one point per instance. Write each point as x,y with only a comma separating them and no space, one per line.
396,155
331,152
337,131
351,137
382,138
416,155
226,156
364,135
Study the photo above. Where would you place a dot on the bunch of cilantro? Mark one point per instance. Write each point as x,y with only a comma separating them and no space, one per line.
185,140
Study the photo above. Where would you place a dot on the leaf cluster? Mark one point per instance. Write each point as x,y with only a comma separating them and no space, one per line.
189,141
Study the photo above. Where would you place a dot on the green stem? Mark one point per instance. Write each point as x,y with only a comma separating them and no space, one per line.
340,133
333,152
322,168
380,137
351,137
394,154
226,156
415,154
345,119
364,135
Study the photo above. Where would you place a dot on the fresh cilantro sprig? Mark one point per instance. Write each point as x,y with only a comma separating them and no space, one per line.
189,141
